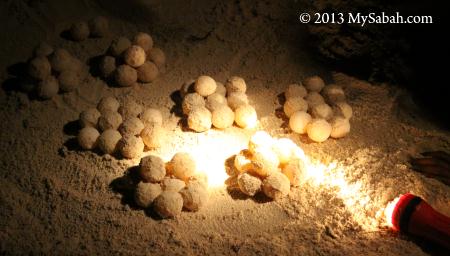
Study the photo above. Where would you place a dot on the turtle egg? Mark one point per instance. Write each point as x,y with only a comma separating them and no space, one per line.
276,186
131,146
236,84
222,117
192,101
89,118
87,138
134,56
295,90
318,130
294,104
168,204
299,121
144,40
245,116
108,104
152,169
340,127
205,85
314,83
108,141
146,193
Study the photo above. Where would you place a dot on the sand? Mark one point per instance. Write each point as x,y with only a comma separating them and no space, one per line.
58,199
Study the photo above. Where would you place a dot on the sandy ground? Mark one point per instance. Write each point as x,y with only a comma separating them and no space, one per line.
57,199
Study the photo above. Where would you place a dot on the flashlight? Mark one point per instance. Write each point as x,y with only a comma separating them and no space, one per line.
412,215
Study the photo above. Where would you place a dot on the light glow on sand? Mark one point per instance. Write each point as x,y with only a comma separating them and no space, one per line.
210,150
352,194
389,210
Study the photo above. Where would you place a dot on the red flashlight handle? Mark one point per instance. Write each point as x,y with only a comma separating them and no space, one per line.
430,224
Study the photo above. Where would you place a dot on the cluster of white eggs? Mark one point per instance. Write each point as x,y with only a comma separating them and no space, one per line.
128,62
96,27
319,110
208,103
269,165
126,128
170,187
51,71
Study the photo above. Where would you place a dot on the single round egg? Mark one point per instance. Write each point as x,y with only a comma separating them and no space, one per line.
39,68
192,101
146,193
130,108
343,109
323,111
87,138
153,136
248,184
205,85
215,101
108,141
79,31
144,40
168,204
333,93
313,83
131,126
222,117
109,120
89,118
299,121
131,146
152,169
340,127
318,130
172,184
134,56
265,161
119,46
125,76
195,196
199,119
148,72
293,105
276,186
151,116
61,60
313,99
182,165
108,103
295,90
237,99
245,116
236,84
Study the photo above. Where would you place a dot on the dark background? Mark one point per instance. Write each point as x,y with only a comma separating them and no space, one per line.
412,56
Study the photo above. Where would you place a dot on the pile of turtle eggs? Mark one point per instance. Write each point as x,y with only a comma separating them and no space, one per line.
170,187
208,103
315,109
126,128
127,62
269,165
